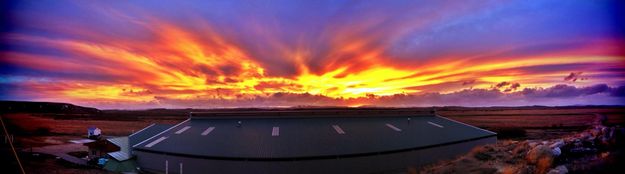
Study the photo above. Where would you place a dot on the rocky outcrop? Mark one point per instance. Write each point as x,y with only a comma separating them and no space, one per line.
571,153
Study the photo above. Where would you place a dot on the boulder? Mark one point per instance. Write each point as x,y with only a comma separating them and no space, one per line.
539,152
557,143
561,169
556,151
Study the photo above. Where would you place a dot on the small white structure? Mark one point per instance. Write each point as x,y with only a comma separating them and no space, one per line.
93,132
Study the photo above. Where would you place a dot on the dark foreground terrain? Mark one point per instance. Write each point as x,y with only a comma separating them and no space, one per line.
597,149
525,135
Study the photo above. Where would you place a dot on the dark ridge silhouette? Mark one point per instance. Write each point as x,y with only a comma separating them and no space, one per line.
44,107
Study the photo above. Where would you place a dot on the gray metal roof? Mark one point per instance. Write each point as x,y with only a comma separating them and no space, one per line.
147,132
307,137
124,148
125,143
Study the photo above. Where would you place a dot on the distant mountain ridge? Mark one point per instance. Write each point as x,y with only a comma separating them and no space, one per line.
67,108
44,107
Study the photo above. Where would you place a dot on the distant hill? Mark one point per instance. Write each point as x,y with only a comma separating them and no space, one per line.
67,108
44,107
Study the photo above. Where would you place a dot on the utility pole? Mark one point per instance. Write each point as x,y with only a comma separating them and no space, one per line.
6,133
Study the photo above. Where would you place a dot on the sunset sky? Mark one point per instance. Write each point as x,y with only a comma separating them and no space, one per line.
280,53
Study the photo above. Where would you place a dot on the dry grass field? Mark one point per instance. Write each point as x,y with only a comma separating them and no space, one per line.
110,127
532,122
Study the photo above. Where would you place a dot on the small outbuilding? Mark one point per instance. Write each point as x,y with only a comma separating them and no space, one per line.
122,159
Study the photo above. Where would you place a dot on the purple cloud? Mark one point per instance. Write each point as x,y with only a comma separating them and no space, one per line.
574,76
557,95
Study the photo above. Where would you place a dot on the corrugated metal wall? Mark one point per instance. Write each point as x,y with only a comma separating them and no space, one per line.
392,163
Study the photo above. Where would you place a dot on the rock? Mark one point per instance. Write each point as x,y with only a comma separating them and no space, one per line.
556,151
532,144
542,157
537,153
557,143
544,164
561,169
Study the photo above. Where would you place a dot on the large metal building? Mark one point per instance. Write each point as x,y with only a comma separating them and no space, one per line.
307,142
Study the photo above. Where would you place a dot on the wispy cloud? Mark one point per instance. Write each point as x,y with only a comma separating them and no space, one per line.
283,53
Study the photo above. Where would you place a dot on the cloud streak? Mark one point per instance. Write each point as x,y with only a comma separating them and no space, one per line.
138,54
557,95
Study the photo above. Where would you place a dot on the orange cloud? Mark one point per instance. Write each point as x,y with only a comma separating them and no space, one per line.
177,63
